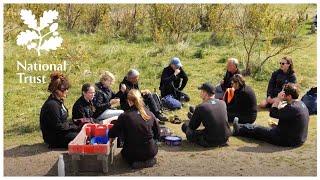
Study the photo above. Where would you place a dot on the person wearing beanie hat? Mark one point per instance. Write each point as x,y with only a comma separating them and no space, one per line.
212,113
173,81
131,81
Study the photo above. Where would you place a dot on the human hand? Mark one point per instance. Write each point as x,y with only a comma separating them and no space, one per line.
269,100
281,95
176,72
123,88
114,101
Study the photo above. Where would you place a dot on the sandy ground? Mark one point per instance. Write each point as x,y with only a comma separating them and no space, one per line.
242,157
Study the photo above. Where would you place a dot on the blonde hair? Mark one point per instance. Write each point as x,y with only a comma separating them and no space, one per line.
135,97
106,75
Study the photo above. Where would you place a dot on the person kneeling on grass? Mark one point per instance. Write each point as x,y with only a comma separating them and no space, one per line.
212,113
173,81
57,132
83,110
292,128
140,130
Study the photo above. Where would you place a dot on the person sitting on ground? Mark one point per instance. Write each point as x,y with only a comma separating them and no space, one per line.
232,69
241,101
140,131
279,77
131,81
83,110
173,80
212,113
105,99
292,127
56,130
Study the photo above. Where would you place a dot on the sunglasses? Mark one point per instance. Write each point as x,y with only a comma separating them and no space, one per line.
282,63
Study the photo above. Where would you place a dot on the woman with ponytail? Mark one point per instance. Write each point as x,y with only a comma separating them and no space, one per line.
140,130
57,132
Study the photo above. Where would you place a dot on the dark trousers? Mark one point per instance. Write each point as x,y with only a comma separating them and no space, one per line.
63,140
243,119
198,136
267,134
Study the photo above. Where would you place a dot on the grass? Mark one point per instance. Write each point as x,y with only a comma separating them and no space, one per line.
93,53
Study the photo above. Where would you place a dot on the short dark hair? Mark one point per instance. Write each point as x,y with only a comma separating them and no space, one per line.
238,78
291,89
86,87
58,82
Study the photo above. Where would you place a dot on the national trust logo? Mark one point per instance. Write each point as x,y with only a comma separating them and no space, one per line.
40,37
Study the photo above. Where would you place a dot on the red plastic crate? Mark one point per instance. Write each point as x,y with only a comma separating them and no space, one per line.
79,146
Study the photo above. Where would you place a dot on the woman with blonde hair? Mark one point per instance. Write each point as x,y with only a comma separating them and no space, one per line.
140,130
105,99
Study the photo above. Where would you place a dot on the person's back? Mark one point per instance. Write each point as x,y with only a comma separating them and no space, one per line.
213,115
293,123
138,133
244,102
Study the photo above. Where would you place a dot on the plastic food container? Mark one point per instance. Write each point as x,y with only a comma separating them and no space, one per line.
173,140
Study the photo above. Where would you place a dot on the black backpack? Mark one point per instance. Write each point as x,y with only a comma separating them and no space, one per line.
310,100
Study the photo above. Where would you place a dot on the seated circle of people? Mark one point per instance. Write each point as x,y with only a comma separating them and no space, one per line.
212,113
140,131
83,110
56,130
105,100
241,101
131,81
285,74
173,81
232,69
292,127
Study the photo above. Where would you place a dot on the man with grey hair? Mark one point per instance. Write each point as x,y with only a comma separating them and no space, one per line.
131,81
232,69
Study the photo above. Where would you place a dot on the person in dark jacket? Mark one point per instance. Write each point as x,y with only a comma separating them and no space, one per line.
243,104
56,130
232,69
83,109
292,127
279,78
131,81
105,99
140,131
212,113
173,81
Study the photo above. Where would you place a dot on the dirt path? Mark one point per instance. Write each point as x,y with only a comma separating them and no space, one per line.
242,157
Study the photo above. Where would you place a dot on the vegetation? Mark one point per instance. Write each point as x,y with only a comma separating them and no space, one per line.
120,37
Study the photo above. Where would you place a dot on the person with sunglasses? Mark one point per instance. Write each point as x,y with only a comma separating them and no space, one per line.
280,77
243,103
292,127
56,130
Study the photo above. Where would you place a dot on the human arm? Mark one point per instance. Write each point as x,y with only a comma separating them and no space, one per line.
195,119
184,77
271,84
